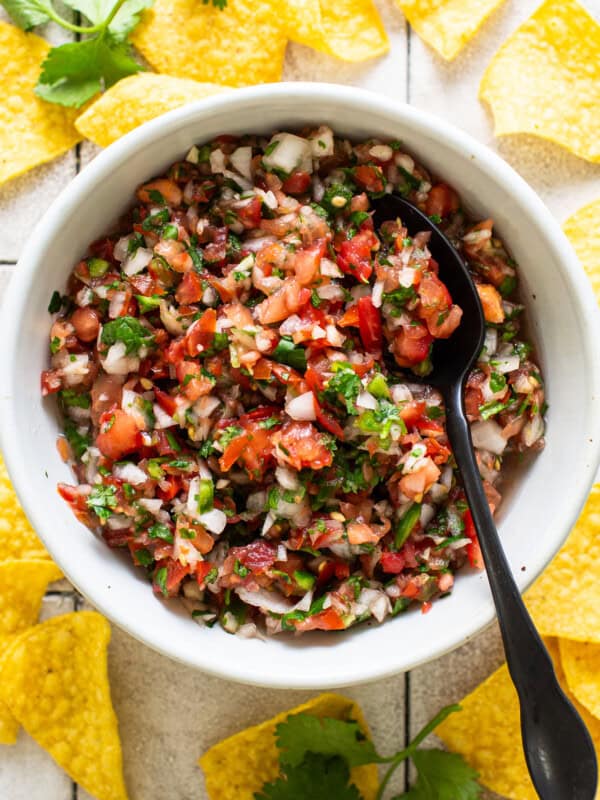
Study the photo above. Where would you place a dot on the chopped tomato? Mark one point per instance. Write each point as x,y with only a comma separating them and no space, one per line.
51,381
301,445
328,422
167,584
370,177
473,548
165,401
233,451
258,555
190,289
202,570
392,563
411,344
412,412
491,301
297,183
306,262
350,317
328,620
354,256
286,301
371,331
201,333
249,215
441,201
194,383
119,434
169,487
418,483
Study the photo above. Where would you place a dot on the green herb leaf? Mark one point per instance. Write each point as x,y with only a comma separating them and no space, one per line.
303,733
336,198
288,353
317,778
78,442
343,387
445,776
101,500
26,13
73,73
124,21
492,408
407,522
160,531
128,330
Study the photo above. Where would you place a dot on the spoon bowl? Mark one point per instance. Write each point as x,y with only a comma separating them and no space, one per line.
558,749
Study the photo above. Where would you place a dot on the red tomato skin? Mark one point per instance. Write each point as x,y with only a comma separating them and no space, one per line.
297,183
392,563
249,215
119,434
369,325
190,289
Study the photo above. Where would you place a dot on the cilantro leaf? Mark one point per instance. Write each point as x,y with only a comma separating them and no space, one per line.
75,72
124,21
26,13
101,500
317,778
304,733
445,776
343,387
128,330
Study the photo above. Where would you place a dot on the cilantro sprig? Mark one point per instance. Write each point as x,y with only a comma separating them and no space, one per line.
73,73
316,756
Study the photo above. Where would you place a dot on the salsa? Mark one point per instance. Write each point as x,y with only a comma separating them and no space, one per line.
233,360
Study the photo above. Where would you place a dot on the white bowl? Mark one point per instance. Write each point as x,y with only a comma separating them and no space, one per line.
539,508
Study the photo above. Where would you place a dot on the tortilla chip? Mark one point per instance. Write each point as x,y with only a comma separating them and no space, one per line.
55,682
349,29
581,663
241,45
135,100
447,25
565,600
583,231
22,587
545,79
487,732
31,130
239,766
17,537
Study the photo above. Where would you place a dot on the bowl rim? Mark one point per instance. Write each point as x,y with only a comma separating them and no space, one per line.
301,92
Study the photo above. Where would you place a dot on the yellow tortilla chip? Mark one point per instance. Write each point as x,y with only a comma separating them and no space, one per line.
17,537
239,766
447,25
31,130
349,29
55,682
22,587
583,230
581,663
565,600
136,100
545,79
487,732
243,44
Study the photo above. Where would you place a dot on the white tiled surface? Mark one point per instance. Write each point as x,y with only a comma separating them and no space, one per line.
168,713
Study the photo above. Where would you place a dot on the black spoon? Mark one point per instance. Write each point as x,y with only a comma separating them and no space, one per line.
558,748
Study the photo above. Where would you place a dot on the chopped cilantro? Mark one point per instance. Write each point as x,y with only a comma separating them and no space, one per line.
343,388
101,500
497,382
160,531
78,442
128,330
228,434
240,570
315,299
55,303
160,579
72,399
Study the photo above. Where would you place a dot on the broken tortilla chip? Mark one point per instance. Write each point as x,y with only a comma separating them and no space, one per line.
487,732
545,79
17,537
135,100
583,231
23,584
239,766
565,600
351,30
581,663
55,683
447,25
240,45
31,130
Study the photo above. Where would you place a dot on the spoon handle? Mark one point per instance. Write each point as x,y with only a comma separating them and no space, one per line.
543,703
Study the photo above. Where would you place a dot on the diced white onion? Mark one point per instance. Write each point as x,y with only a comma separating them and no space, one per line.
287,478
401,393
117,363
377,296
487,435
322,142
290,152
244,184
264,599
152,505
330,269
240,160
407,277
255,245
504,365
214,520
193,155
116,305
302,408
204,406
366,400
382,152
139,261
169,319
268,523
490,344
533,430
130,473
427,514
405,161
305,603
163,420
217,161
122,248
118,522
330,291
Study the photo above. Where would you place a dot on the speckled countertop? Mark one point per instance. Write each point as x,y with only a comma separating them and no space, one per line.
170,714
